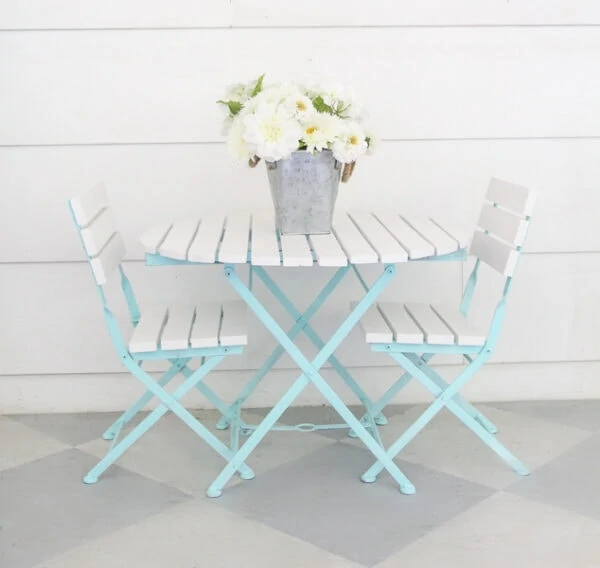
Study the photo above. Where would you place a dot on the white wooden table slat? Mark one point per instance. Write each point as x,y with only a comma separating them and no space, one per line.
442,241
413,242
176,332
265,248
152,239
464,332
234,246
178,240
146,335
97,233
386,246
328,250
204,246
234,324
404,328
205,331
357,237
375,328
358,250
455,230
435,330
295,250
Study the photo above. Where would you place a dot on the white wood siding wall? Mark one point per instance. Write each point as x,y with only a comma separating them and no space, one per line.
123,92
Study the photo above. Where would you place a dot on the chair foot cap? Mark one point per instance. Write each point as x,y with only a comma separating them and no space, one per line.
247,474
368,478
90,479
222,424
522,471
108,436
213,493
352,434
407,489
381,420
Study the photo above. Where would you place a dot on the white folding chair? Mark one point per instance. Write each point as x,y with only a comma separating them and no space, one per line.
413,333
176,334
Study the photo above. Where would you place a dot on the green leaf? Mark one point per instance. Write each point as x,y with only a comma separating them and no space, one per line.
234,106
259,85
320,105
368,141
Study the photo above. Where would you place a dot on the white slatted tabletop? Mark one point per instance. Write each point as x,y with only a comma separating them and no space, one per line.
358,237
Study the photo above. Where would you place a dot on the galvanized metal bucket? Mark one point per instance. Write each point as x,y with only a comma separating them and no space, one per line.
304,189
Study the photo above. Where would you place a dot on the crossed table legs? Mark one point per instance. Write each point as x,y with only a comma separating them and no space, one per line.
310,373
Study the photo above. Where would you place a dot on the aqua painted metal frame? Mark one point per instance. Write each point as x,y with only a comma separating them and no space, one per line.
309,374
414,359
179,359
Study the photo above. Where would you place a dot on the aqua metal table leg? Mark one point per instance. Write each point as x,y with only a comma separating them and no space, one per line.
318,342
301,322
310,373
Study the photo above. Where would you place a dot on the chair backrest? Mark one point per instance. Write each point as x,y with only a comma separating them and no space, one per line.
503,225
98,229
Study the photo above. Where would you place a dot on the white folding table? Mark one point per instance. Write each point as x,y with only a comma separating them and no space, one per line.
358,238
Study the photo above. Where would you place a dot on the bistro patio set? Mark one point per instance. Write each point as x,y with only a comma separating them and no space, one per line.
195,339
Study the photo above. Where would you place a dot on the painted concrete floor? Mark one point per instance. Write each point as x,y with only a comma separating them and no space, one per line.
306,506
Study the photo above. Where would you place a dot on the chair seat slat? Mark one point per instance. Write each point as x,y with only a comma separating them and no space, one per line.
146,336
404,328
435,330
176,332
464,332
375,328
205,330
234,324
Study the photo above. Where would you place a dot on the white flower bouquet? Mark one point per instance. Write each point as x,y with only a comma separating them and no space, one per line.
270,121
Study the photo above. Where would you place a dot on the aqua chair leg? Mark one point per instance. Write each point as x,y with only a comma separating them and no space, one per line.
407,377
444,397
458,398
168,402
125,418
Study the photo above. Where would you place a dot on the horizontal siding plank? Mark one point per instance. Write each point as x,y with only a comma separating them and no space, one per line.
151,185
73,14
161,86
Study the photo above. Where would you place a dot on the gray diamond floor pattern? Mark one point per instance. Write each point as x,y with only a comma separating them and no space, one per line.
307,505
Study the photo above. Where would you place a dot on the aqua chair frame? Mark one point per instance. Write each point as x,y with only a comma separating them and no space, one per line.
503,225
104,249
